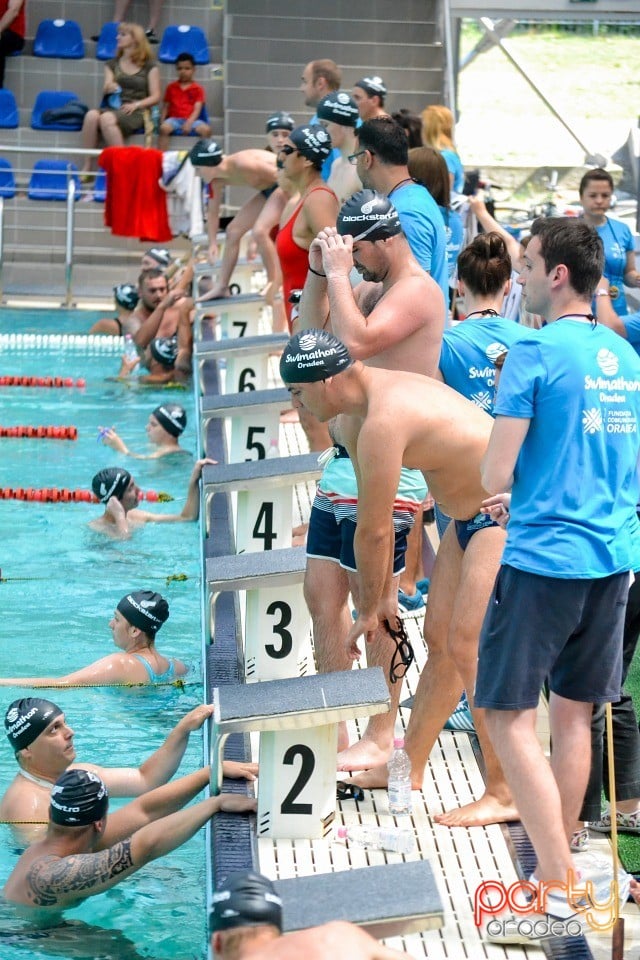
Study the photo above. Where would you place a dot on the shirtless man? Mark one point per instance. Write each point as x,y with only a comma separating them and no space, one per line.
245,921
338,114
369,94
43,743
397,419
394,319
85,851
115,487
157,315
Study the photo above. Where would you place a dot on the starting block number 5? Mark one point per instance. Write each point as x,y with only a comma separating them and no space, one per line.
297,790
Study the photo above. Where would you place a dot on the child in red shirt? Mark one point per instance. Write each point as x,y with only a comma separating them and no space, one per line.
183,103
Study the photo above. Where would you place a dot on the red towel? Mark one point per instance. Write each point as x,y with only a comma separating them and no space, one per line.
135,206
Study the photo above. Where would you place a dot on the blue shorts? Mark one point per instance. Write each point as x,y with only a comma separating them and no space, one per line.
465,529
329,539
569,631
176,123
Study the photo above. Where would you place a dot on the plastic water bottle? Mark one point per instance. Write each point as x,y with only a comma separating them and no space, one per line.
399,770
274,449
394,839
130,351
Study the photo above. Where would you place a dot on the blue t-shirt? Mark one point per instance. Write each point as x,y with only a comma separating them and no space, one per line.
617,240
468,355
454,233
575,490
424,229
454,166
632,325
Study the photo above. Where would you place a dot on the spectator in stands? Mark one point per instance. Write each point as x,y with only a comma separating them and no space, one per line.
12,30
369,94
437,132
183,103
155,8
131,88
412,126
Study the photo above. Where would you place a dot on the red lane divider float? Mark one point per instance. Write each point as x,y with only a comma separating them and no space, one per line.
42,382
62,495
41,433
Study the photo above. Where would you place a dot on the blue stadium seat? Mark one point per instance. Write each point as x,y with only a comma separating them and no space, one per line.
59,38
7,179
107,41
100,187
183,39
51,100
49,180
9,118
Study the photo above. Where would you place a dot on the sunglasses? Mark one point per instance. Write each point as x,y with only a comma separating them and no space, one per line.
288,150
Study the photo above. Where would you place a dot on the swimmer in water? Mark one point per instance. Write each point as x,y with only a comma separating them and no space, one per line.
164,427
135,622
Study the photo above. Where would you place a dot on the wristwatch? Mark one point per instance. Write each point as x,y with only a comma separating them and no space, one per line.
602,293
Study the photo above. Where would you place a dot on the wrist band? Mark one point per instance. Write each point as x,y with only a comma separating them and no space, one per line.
315,272
602,293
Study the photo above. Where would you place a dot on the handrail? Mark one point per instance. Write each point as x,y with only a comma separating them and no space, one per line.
68,247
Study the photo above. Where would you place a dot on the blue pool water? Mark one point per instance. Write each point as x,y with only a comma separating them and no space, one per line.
60,584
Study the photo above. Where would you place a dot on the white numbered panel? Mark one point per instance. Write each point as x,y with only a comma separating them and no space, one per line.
254,436
264,519
277,634
240,323
249,372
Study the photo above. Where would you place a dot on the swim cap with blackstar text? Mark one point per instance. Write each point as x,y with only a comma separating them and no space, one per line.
78,798
110,482
206,153
312,141
26,719
368,215
313,355
280,121
338,107
245,900
172,417
145,610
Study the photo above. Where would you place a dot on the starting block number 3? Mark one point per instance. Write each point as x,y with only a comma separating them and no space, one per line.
277,634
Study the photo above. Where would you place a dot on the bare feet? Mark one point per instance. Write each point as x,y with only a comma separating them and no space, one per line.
343,736
488,809
363,755
216,293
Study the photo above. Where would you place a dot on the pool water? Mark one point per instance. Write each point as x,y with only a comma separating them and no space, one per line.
60,584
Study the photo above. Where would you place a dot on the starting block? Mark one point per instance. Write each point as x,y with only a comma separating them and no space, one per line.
238,316
277,623
265,496
255,420
297,720
247,359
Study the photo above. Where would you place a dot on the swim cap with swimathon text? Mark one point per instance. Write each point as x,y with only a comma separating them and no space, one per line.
313,355
172,417
245,900
145,610
338,107
110,482
313,142
368,215
78,798
26,719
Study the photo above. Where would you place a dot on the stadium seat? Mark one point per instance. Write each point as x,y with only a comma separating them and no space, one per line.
107,41
100,187
51,100
183,39
9,118
49,180
7,179
59,38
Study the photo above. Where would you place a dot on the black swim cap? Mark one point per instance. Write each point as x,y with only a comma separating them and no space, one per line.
313,355
126,295
373,86
313,142
338,107
78,798
161,255
172,417
368,215
280,121
26,719
206,153
245,900
110,482
164,350
144,609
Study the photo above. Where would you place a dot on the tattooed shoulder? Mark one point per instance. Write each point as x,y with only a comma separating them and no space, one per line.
52,881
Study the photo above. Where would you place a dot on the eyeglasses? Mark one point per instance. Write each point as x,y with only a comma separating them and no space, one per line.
353,157
288,150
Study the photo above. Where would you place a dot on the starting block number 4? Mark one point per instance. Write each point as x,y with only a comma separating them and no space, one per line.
277,634
264,519
297,789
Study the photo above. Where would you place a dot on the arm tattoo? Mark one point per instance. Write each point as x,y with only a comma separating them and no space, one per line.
52,881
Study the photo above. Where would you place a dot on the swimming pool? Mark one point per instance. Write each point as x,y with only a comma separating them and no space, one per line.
60,585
